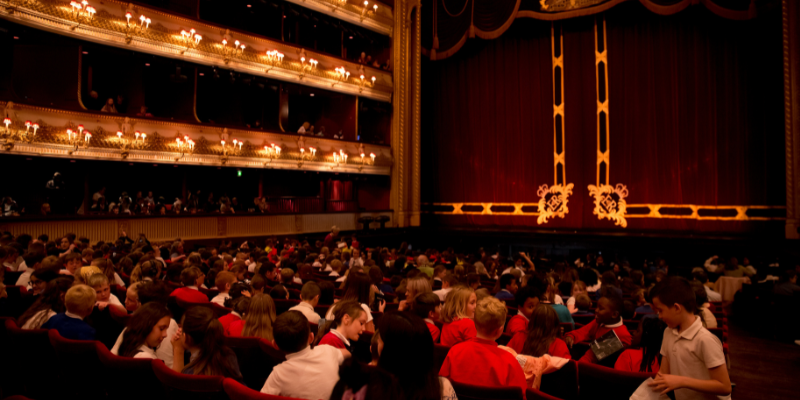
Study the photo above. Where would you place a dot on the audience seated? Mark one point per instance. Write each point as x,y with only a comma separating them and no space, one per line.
79,301
644,355
457,314
607,317
540,336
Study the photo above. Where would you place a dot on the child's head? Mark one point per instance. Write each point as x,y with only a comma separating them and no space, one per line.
258,283
628,309
490,317
449,280
132,297
459,303
239,269
578,287
527,299
260,317
291,332
72,262
543,328
439,272
310,293
609,309
147,326
192,276
224,280
509,282
239,305
416,286
287,276
336,265
80,300
99,282
279,292
426,305
349,319
583,302
481,294
674,300
203,332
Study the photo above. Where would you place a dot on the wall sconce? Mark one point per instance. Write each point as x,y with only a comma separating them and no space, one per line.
306,155
365,161
7,122
124,145
131,28
272,152
274,58
235,150
185,146
191,39
78,140
82,11
364,82
231,51
341,75
339,158
307,64
368,11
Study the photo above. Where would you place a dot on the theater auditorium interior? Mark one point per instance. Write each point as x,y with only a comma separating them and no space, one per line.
399,199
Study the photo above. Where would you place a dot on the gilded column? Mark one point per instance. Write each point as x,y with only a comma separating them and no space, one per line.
791,80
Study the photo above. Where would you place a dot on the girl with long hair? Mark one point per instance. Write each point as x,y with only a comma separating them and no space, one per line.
258,319
347,323
541,337
202,335
49,304
645,352
359,288
578,287
457,314
415,287
145,331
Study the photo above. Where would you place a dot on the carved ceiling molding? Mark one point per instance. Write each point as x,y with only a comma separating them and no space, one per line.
108,26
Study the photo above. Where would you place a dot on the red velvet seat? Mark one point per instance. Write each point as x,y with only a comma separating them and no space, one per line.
119,372
281,305
613,384
466,391
180,386
533,394
237,391
74,358
562,383
256,359
439,354
29,348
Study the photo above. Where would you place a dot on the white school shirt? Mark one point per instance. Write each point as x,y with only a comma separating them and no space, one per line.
692,353
115,301
712,295
146,352
25,278
164,351
442,293
220,299
320,364
308,311
118,280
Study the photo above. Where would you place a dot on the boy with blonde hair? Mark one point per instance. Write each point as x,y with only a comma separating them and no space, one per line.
79,300
99,282
479,359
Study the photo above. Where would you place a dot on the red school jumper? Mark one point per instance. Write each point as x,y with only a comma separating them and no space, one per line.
434,330
480,361
517,323
557,349
594,330
458,331
190,295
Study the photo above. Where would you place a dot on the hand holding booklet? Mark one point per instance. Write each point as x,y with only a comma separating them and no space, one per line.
606,345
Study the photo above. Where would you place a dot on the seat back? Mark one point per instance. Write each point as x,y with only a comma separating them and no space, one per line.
533,394
30,347
237,391
118,373
256,359
611,383
562,383
466,391
281,305
178,386
18,300
583,318
439,354
73,359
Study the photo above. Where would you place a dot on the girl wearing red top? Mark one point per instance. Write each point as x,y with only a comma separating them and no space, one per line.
258,320
349,320
457,314
541,336
240,307
645,354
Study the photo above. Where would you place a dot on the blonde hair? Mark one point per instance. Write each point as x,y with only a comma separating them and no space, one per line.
490,315
417,286
336,265
455,304
260,317
578,285
133,290
97,280
82,274
80,300
482,293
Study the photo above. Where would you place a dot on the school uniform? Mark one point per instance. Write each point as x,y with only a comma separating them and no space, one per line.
329,315
25,278
307,310
594,330
458,331
70,326
146,352
37,320
442,293
480,361
190,294
435,333
220,299
114,300
517,323
335,339
164,350
631,360
228,319
557,349
504,295
320,364
235,329
692,353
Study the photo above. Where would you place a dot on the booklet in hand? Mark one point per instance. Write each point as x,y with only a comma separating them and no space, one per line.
606,345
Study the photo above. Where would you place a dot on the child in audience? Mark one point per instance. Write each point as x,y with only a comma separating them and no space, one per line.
607,317
644,354
202,335
349,320
258,320
359,288
223,282
309,297
479,359
693,364
457,314
50,303
192,278
292,336
258,283
508,287
584,304
427,307
527,299
72,262
132,302
145,331
279,292
448,282
642,303
578,288
414,287
541,335
240,307
79,302
99,282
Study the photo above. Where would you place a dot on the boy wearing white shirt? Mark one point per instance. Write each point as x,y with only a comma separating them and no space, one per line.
303,364
223,281
35,261
309,295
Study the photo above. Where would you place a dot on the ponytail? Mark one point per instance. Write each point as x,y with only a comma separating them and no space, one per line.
207,334
345,307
